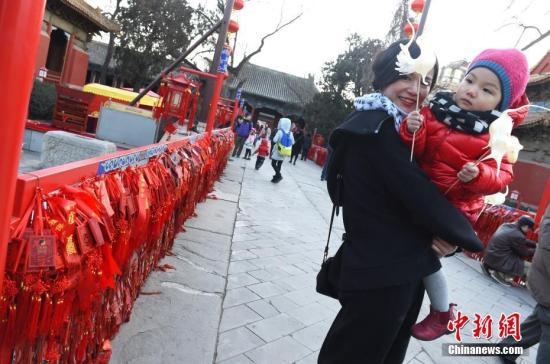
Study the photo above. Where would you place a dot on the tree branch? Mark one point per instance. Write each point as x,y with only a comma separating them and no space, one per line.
235,70
536,41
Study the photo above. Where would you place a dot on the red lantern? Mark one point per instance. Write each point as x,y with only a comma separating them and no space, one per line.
233,26
417,6
238,4
409,29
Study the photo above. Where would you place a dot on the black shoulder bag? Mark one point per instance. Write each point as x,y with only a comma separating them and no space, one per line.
329,274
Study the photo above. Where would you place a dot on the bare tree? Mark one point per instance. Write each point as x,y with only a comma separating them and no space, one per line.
111,46
397,26
211,17
235,70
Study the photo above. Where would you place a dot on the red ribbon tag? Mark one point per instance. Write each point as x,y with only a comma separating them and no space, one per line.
41,252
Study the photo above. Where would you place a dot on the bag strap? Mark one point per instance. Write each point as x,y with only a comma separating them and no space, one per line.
329,232
335,211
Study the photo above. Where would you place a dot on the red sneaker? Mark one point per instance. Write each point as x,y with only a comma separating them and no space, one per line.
434,325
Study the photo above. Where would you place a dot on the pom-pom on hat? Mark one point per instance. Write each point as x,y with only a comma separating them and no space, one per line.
510,66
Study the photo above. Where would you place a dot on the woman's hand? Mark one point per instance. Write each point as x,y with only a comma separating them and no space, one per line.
442,248
468,172
414,121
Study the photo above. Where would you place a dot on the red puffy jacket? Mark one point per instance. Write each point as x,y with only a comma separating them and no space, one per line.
442,152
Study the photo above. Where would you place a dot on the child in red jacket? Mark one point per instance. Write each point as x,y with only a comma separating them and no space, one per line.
262,150
451,136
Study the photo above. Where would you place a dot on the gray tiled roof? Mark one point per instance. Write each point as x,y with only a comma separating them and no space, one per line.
94,15
275,85
97,52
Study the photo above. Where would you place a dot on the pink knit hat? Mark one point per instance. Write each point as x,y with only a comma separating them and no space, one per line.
510,66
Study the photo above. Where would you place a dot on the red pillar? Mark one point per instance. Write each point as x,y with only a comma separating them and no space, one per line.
234,113
214,102
20,22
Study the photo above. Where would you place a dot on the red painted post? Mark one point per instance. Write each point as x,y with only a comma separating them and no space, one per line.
234,113
214,102
20,21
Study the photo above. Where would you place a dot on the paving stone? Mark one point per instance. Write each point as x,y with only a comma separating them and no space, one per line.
237,341
274,327
284,350
283,304
269,274
302,296
263,308
266,289
312,336
311,314
239,296
310,359
237,316
266,252
240,280
237,255
240,359
241,266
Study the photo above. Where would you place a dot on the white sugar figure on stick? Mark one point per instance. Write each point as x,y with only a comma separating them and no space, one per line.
422,65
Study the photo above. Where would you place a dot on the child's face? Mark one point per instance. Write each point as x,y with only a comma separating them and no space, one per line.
479,91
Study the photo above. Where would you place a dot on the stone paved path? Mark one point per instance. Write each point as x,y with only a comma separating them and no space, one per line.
271,312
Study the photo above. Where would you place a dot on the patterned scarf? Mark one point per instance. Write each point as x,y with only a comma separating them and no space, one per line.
377,101
470,122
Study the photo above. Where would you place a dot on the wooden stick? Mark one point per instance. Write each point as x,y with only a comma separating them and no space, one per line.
476,164
417,102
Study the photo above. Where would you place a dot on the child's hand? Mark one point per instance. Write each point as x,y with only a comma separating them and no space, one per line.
414,121
468,172
442,247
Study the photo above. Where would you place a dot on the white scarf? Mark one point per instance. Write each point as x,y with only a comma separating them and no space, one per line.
377,101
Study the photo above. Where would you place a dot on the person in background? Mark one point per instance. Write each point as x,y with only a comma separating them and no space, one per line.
507,249
277,158
243,129
298,143
262,150
249,144
536,327
306,146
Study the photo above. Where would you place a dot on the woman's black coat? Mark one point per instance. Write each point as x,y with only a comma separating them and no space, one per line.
391,210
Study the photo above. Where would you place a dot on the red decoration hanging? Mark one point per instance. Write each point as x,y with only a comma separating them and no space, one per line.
238,4
417,6
233,26
409,29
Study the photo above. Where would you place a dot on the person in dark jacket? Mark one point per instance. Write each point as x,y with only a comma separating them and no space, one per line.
536,327
306,146
508,247
394,218
243,129
298,143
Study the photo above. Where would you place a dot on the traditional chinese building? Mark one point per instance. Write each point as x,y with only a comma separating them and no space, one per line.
67,29
451,75
272,94
97,53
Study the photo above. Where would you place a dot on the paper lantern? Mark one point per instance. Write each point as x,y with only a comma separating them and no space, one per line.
409,29
417,6
239,4
233,26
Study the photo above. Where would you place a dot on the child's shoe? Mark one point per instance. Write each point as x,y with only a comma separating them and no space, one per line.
434,325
